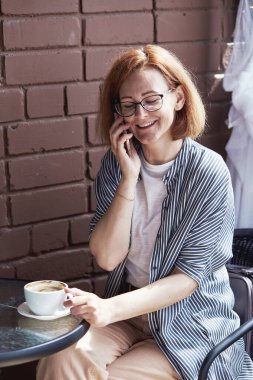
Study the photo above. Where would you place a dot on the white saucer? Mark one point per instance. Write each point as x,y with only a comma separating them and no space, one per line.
24,310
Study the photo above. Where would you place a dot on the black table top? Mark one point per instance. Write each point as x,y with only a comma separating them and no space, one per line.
25,339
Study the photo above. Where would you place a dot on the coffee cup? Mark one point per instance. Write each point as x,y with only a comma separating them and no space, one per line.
45,297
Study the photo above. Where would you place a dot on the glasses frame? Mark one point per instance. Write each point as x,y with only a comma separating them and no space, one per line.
162,95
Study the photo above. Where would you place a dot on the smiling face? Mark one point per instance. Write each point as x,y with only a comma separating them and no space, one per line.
151,128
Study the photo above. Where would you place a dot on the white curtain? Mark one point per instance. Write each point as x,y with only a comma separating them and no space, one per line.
238,78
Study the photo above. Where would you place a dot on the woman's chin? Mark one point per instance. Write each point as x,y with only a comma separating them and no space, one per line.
146,138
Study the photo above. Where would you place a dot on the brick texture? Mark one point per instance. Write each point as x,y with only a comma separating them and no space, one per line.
197,56
54,57
195,25
93,137
1,142
229,24
99,284
44,136
3,212
114,28
217,117
22,7
190,4
93,6
47,169
11,105
14,243
50,31
43,67
93,202
79,228
7,271
47,204
60,265
2,177
83,284
45,101
216,142
99,59
1,60
212,89
95,157
82,98
50,236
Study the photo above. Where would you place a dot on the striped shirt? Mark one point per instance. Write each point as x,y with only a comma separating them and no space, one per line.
195,234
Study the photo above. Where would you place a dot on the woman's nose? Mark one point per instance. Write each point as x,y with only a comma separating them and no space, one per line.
139,111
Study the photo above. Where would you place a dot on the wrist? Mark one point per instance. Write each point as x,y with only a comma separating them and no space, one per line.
127,186
118,306
129,181
124,197
112,310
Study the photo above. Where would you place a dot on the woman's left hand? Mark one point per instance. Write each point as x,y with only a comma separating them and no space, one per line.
89,306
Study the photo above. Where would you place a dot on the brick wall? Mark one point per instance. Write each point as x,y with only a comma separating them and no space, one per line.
54,55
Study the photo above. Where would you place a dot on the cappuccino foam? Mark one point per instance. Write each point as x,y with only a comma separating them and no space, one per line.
46,286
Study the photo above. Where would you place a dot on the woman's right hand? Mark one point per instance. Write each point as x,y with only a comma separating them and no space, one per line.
95,310
110,239
129,161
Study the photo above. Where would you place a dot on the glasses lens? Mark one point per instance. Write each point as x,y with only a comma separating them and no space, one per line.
125,108
152,103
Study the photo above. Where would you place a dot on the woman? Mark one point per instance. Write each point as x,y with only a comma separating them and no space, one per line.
163,228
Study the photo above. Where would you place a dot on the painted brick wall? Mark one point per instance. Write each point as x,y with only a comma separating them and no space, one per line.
54,55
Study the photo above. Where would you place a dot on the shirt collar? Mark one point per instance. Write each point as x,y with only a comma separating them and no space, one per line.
178,163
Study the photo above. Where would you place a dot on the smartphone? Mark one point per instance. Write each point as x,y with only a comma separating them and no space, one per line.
127,143
127,146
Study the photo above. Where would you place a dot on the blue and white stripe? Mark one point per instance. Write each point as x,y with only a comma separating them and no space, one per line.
196,231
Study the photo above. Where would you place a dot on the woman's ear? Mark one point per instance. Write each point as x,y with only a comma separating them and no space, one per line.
180,96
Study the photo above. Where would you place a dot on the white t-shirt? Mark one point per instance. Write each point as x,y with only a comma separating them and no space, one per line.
150,193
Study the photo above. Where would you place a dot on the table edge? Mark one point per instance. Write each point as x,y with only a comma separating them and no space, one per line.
45,349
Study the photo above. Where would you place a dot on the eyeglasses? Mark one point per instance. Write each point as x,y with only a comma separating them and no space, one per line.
150,103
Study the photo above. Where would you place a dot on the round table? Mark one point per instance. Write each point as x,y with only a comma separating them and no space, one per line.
25,339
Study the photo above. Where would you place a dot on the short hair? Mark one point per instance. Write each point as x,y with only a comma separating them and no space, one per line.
189,121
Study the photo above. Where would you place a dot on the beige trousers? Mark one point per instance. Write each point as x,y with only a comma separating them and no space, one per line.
121,351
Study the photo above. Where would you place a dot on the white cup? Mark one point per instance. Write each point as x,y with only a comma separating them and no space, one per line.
45,297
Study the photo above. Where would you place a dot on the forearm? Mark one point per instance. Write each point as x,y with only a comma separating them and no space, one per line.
110,239
158,295
101,312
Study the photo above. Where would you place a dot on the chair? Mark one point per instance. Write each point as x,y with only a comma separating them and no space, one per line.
223,345
242,288
243,247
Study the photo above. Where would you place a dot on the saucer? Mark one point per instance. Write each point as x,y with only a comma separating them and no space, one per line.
24,310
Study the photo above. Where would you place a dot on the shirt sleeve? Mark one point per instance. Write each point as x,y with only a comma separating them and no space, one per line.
208,245
105,185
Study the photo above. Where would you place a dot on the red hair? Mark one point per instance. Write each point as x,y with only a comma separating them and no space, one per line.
190,120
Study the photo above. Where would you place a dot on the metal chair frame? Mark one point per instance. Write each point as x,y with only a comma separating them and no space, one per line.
242,255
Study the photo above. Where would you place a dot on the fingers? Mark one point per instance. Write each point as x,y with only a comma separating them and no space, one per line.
85,309
80,298
91,314
90,307
74,295
119,138
118,128
74,291
118,123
